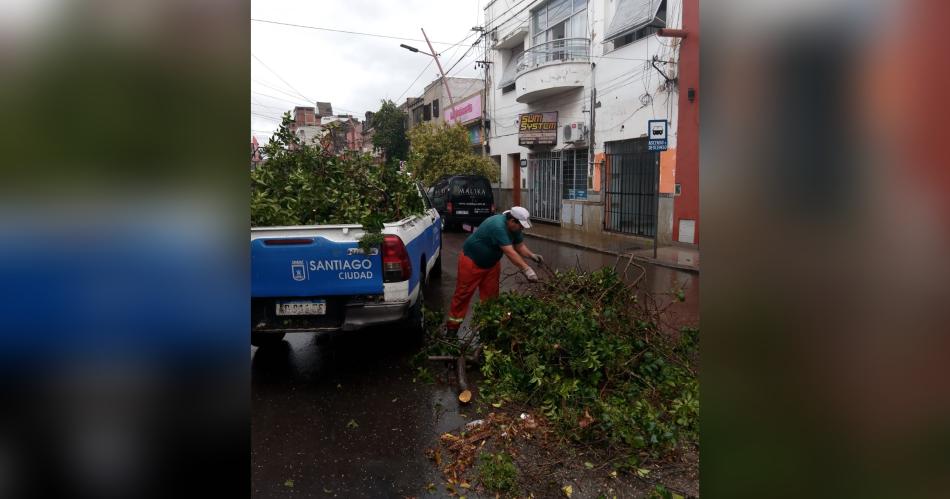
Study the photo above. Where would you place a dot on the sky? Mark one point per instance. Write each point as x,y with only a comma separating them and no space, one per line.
294,66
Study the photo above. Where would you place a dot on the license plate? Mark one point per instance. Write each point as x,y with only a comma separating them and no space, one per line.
308,307
461,212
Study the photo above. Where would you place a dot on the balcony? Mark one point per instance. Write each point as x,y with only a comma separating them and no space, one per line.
551,68
511,34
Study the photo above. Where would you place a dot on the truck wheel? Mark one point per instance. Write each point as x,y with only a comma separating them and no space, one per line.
266,339
416,322
436,271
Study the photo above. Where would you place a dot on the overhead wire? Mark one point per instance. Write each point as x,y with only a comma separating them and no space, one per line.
281,78
265,116
404,92
377,35
431,61
275,89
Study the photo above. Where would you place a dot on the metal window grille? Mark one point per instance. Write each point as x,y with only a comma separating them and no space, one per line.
575,173
632,176
545,180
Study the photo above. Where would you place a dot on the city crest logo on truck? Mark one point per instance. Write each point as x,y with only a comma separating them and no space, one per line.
351,269
298,270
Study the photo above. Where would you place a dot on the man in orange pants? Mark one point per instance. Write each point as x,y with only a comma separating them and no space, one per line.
480,261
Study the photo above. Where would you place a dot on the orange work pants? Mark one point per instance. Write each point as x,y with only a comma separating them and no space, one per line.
470,278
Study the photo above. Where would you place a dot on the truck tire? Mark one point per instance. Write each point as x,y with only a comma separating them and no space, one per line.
436,271
266,339
415,322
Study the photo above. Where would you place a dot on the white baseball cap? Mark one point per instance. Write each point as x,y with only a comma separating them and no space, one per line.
521,215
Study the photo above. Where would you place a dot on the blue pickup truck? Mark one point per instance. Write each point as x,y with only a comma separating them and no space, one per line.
316,278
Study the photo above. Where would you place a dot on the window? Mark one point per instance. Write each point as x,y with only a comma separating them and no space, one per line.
425,198
574,168
508,88
426,112
435,109
634,20
557,20
636,35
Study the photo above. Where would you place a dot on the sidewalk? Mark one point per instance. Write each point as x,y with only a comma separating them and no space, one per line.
681,257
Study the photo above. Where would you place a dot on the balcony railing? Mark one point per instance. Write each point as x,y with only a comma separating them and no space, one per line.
563,50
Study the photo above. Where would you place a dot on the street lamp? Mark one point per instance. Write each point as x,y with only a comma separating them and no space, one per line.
435,56
413,49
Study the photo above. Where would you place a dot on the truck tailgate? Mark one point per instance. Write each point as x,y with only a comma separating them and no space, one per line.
312,265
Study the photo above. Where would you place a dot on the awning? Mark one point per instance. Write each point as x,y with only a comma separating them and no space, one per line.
632,15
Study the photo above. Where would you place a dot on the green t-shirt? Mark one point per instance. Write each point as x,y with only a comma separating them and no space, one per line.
484,245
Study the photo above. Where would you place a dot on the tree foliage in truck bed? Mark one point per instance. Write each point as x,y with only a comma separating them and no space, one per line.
305,184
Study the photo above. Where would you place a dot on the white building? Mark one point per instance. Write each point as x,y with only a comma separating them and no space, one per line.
571,89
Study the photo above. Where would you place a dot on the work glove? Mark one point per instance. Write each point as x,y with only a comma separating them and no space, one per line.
537,258
530,274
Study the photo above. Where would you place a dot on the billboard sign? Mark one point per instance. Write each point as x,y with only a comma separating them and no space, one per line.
465,111
535,129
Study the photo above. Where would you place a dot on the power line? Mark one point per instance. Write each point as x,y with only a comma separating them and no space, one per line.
275,89
282,79
377,35
265,116
491,23
278,108
472,46
415,80
466,37
294,102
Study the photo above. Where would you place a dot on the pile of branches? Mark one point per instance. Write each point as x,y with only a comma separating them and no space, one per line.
596,357
498,431
307,184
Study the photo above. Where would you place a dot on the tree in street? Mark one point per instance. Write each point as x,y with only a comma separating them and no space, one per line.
438,150
390,136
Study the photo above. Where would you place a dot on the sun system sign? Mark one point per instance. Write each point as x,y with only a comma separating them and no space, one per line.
536,129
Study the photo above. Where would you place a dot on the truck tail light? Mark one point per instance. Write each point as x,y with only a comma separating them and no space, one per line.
449,208
396,265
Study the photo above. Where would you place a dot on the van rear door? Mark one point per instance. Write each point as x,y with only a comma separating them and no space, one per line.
471,196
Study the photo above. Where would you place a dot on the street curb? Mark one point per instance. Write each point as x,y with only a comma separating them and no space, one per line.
659,263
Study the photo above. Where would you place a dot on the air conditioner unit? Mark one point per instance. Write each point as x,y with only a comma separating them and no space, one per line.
575,132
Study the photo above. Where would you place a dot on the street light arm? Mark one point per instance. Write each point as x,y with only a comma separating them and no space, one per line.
413,49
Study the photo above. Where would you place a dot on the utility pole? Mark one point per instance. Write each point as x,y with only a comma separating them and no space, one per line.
484,63
445,80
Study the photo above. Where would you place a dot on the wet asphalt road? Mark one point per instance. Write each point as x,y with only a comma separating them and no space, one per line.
341,416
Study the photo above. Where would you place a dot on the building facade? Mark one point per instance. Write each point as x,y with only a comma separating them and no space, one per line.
306,125
578,97
434,106
312,124
256,158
